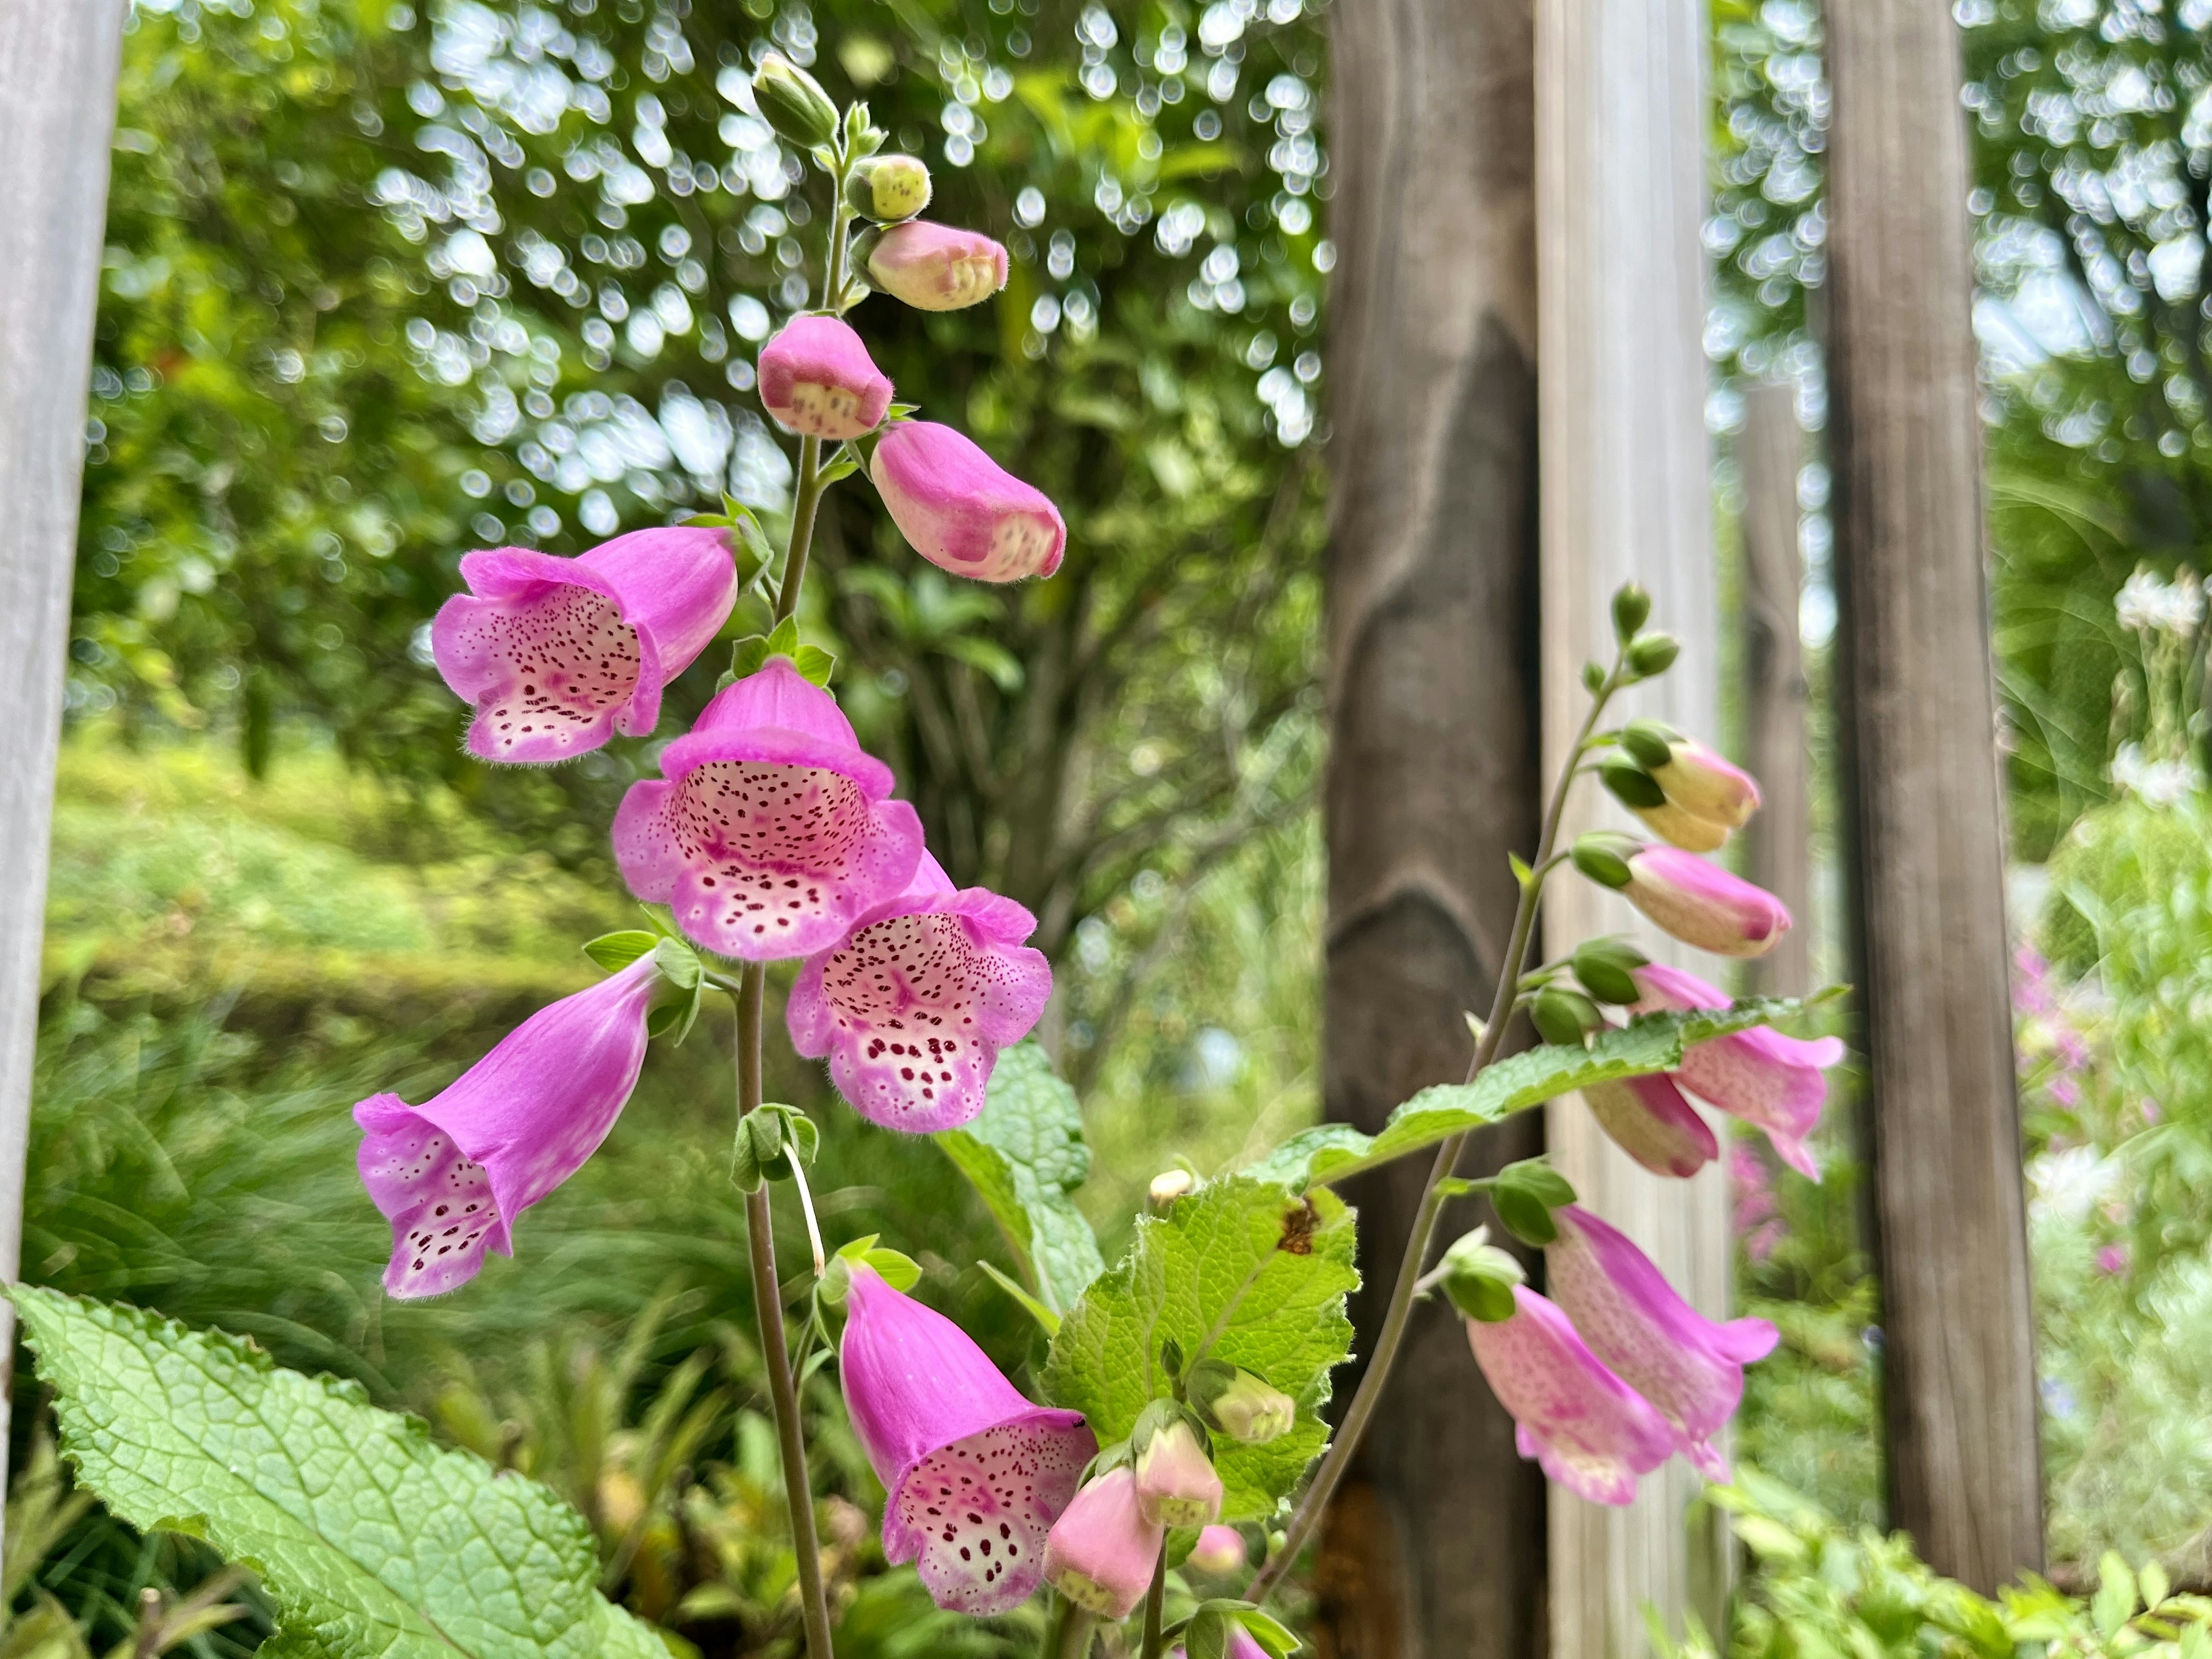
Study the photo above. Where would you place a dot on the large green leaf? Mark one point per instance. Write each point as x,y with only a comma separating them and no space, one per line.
1025,1155
1239,1270
1652,1043
374,1542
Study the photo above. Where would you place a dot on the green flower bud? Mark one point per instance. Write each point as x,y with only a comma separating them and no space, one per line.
1235,1403
888,188
1631,609
1480,1278
1563,1017
1652,653
793,102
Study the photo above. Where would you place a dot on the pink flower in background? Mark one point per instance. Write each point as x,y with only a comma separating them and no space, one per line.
558,655
976,1473
816,377
1772,1082
1758,1219
454,1174
913,1005
1649,1119
2030,982
1701,904
961,510
936,268
1689,1368
1220,1551
770,833
2113,1259
1586,1428
1102,1551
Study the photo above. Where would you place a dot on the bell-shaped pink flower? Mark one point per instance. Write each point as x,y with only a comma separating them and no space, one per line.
915,1003
1775,1083
452,1175
1102,1552
976,1474
558,655
816,377
1587,1429
936,268
1701,904
1220,1551
1648,1118
1176,1484
961,510
1689,1368
770,832
1707,786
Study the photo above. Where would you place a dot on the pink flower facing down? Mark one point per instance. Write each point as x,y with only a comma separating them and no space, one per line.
1690,1369
1101,1553
770,832
452,1174
1586,1428
1701,904
816,377
936,268
1705,786
1648,1118
976,1474
558,655
913,1005
961,510
1772,1082
1220,1551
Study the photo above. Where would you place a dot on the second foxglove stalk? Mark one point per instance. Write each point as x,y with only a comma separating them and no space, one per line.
961,510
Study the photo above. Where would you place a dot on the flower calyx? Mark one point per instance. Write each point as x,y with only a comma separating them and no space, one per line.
895,1267
748,655
793,102
1479,1278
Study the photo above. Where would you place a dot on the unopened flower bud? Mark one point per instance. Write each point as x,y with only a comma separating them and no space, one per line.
1652,653
961,510
1169,1185
1705,786
888,188
1631,609
1701,904
1101,1553
1235,1403
1684,830
1563,1017
1220,1551
1176,1485
793,102
936,268
816,377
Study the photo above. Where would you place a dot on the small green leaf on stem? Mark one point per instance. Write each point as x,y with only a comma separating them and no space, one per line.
1479,1278
814,664
1524,1215
1648,743
616,951
1603,855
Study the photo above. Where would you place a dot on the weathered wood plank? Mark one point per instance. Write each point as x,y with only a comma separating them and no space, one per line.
57,63
1625,491
1435,1543
1924,817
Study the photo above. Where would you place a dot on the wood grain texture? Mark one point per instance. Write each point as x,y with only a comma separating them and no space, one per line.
1778,842
57,63
1435,1545
1626,490
1923,822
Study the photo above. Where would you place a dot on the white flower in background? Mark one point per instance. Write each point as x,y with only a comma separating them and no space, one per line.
2159,782
2144,601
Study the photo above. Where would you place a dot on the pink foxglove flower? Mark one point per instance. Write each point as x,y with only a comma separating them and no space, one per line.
1101,1553
1648,1118
913,1005
936,268
1689,1368
1177,1485
1707,786
558,655
770,832
1772,1082
976,1474
961,510
1587,1429
1701,904
454,1174
1220,1551
816,377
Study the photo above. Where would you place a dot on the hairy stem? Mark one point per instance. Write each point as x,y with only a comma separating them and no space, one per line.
1067,1636
1369,1395
1155,1599
768,1314
806,497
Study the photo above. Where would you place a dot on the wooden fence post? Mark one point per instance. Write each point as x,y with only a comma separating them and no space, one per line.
57,63
1435,1543
1626,489
1924,830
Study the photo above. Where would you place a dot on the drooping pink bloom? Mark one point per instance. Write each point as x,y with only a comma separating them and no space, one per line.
1220,1551
1707,786
915,1003
770,832
1772,1082
1687,1367
816,377
961,510
1701,904
1101,1553
1177,1483
454,1174
1586,1428
1648,1118
976,1473
934,267
558,655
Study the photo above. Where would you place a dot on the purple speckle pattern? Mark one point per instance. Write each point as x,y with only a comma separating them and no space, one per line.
443,1217
978,1512
563,665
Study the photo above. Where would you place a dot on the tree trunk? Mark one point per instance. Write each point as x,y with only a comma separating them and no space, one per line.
1925,836
1435,1544
1619,128
57,109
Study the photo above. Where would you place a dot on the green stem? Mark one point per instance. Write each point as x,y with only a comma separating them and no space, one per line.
1368,1396
767,1313
806,497
1067,1636
1155,1599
